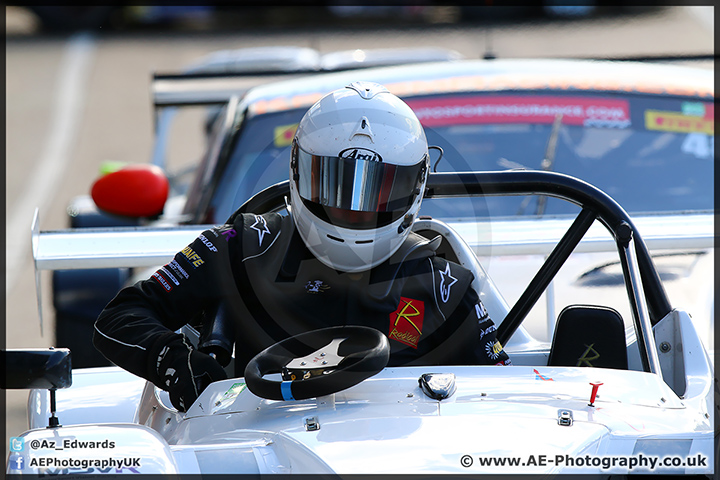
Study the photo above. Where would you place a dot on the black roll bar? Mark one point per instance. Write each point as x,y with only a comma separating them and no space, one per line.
571,189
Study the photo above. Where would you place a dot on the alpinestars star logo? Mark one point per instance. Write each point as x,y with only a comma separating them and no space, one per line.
446,281
261,227
316,286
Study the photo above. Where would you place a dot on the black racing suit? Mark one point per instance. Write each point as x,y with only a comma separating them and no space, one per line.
273,287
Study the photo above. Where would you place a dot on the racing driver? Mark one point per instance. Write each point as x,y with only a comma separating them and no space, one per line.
343,255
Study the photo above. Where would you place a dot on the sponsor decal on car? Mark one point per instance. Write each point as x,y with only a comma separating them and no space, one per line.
682,122
696,109
234,390
540,376
406,322
284,134
586,111
701,145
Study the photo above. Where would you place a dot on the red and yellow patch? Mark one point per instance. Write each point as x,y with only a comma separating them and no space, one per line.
406,322
678,123
284,134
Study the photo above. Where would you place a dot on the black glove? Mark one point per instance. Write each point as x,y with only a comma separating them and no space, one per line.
185,372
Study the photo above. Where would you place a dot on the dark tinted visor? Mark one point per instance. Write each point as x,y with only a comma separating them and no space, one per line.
357,190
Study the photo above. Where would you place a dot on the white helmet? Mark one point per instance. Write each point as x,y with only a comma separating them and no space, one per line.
357,176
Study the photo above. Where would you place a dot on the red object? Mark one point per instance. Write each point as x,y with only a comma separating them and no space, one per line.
593,394
133,191
539,376
406,322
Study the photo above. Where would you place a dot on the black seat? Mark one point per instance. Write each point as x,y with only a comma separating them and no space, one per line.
589,336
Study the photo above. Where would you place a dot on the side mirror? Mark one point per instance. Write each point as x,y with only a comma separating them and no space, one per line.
37,368
132,191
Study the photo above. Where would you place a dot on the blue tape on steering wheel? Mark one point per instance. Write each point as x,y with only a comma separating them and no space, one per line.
286,391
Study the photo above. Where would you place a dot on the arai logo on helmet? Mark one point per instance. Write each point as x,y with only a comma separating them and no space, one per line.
357,153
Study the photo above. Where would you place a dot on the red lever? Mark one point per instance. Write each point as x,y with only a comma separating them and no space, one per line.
593,394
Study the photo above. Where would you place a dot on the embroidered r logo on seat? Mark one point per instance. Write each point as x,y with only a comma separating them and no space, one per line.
589,354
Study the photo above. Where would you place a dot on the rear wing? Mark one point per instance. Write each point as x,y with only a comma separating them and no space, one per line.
121,247
509,237
116,247
128,247
177,90
223,74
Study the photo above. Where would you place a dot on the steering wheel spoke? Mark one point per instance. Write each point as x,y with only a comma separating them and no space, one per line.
326,356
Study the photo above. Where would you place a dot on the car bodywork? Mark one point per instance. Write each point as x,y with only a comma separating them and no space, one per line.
659,407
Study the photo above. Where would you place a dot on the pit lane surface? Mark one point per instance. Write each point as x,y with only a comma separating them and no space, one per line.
74,101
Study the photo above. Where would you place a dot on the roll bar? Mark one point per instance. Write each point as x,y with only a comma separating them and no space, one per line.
649,301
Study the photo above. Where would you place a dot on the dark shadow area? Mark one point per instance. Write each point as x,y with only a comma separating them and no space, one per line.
218,19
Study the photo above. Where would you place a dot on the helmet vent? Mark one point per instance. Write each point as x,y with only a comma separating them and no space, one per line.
363,128
339,240
367,90
360,242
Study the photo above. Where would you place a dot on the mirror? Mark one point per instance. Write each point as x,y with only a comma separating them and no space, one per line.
132,191
37,368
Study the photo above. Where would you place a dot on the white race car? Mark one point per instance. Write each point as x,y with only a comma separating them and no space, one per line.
600,399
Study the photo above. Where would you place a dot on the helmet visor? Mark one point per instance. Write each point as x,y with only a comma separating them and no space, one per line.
357,189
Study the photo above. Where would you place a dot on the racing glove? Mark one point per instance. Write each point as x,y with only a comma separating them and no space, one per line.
184,372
